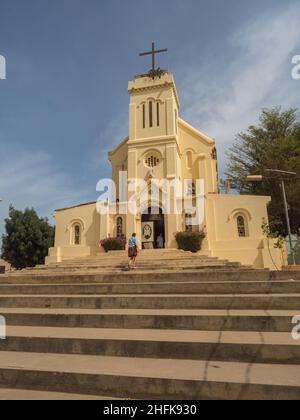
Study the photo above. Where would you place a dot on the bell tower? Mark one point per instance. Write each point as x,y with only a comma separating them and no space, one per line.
153,144
154,105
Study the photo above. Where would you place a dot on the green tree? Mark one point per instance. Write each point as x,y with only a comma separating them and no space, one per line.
273,144
27,239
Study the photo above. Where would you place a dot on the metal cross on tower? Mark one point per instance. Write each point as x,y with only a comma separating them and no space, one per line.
153,53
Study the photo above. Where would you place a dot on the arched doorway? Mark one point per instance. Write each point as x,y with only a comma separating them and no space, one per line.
153,228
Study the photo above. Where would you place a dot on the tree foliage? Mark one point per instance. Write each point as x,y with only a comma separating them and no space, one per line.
273,144
27,239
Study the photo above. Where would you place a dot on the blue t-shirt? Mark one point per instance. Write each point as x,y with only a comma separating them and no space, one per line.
132,242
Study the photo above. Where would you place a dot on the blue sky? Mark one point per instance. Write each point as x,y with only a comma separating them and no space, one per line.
65,103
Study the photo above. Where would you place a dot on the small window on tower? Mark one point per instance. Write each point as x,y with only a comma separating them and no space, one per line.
151,114
144,116
157,111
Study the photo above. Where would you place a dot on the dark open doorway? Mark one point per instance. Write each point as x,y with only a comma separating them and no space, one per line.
155,217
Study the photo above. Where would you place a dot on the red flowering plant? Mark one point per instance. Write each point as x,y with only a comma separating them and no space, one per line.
114,244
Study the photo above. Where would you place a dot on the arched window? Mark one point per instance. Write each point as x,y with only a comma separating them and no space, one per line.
188,223
189,160
242,226
150,114
76,234
144,116
119,227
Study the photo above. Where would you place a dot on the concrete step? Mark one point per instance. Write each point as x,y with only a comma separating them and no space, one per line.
252,347
119,268
111,260
154,251
154,288
203,320
13,394
149,378
155,256
140,266
154,259
150,276
237,301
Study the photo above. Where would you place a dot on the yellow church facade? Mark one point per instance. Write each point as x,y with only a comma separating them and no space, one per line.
162,146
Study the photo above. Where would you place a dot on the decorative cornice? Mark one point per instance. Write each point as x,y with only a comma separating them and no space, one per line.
153,140
163,82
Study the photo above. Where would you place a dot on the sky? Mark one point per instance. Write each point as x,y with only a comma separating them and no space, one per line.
64,103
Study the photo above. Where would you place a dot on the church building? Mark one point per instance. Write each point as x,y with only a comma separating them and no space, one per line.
162,146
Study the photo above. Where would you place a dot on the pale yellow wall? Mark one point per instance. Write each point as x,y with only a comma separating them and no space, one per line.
87,217
200,147
65,218
221,209
222,234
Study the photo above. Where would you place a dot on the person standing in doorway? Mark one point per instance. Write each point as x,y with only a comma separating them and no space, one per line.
132,251
160,241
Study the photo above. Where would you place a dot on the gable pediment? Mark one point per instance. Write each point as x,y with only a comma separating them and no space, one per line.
195,133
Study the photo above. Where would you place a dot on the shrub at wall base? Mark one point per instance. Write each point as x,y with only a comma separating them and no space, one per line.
190,241
113,244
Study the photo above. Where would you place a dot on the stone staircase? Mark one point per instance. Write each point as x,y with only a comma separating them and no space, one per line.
148,260
179,327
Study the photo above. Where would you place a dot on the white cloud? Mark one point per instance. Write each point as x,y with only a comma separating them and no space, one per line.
115,132
33,180
226,97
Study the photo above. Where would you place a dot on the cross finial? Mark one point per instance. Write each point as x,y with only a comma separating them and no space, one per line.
153,52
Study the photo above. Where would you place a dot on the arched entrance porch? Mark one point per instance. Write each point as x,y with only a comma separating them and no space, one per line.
153,228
